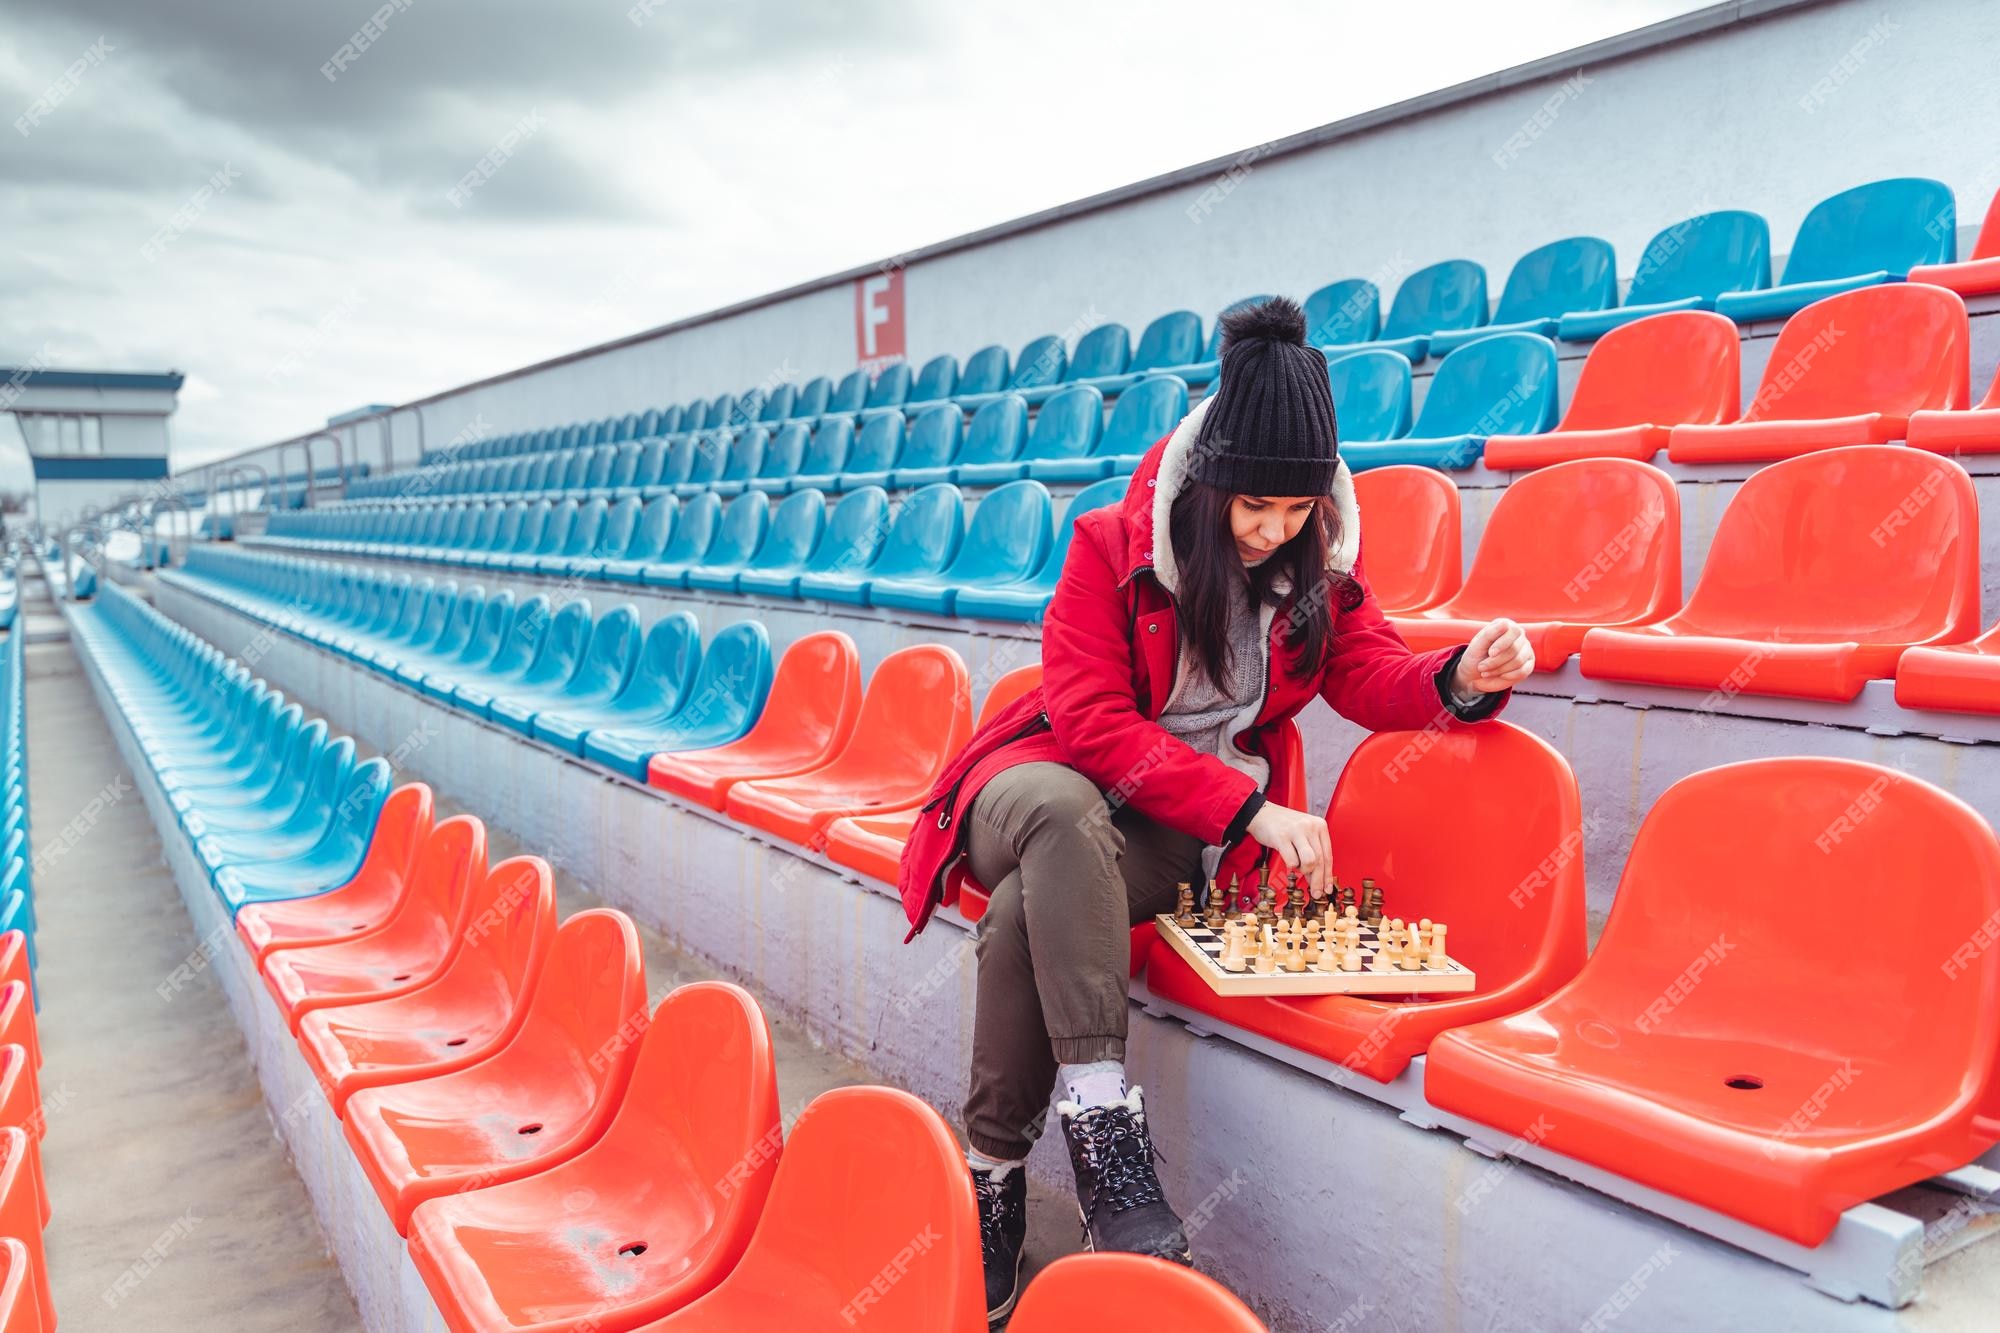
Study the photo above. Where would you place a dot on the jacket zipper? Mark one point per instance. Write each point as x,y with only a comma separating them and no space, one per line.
950,797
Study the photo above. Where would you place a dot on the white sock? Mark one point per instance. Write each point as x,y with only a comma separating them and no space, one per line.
1098,1083
979,1161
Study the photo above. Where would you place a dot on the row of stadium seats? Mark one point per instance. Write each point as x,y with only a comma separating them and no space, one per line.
1871,366
1872,234
1883,582
429,992
27,1300
1715,859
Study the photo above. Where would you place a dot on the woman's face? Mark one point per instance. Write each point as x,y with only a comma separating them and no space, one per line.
1262,523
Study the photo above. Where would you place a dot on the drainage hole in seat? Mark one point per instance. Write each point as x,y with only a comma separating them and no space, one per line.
456,1041
529,1129
1744,1082
634,1250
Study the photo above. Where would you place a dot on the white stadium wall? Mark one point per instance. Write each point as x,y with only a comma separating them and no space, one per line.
1768,106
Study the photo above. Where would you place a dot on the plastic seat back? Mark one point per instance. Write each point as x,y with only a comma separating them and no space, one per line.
986,370
1723,854
1105,350
834,438
917,712
1895,349
651,462
678,465
711,451
932,440
1501,385
1704,256
1822,547
1173,339
793,533
810,400
464,619
730,690
620,522
1680,368
851,396
891,386
1041,362
528,538
875,449
998,430
1371,395
1510,892
1068,425
1891,225
746,454
1348,311
1575,273
832,1213
655,527
925,535
854,533
668,661
1144,414
562,647
484,641
1008,537
777,405
1007,689
936,380
1592,540
608,658
1413,553
521,642
597,475
1148,1292
1450,294
719,411
694,530
784,453
741,530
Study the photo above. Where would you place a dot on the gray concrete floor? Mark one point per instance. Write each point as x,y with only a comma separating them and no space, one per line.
157,1132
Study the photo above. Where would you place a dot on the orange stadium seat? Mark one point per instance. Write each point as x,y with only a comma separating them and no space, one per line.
873,844
21,1219
1640,381
916,716
1411,518
21,1108
411,948
1974,431
18,1312
469,1011
546,1096
1593,541
845,1243
652,1214
17,1019
1823,571
1977,275
1952,677
808,718
1509,885
1730,1042
365,903
1147,1293
1849,369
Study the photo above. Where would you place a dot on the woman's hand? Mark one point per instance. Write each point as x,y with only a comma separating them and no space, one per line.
1299,838
1498,656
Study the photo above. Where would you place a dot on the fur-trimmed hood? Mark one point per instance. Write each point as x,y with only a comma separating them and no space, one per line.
1161,476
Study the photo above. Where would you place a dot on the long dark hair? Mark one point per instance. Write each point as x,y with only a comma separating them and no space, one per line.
1209,565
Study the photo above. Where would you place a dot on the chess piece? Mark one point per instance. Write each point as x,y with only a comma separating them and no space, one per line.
1267,953
1232,950
1371,900
1350,961
1295,956
1347,907
1184,913
1215,919
1437,957
1267,896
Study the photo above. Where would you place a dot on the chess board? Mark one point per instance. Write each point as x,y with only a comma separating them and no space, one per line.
1202,949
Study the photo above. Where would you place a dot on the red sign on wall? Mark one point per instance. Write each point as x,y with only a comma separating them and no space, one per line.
878,320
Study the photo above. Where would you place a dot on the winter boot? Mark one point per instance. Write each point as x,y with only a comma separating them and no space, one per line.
1116,1191
1003,1226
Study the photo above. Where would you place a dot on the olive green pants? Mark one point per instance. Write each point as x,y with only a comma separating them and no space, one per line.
1070,877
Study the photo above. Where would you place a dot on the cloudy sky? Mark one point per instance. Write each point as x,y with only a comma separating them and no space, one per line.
222,189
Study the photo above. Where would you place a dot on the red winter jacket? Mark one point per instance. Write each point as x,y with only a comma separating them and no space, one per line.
1109,648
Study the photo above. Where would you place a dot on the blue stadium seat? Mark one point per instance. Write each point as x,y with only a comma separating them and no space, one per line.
479,649
1578,273
599,677
1102,353
1347,311
332,858
1067,427
986,371
1145,413
890,387
661,683
1503,385
743,461
923,540
709,453
936,382
1450,294
1174,339
827,456
648,542
793,534
1007,541
810,401
933,440
1869,234
737,537
519,644
850,397
782,457
777,406
1043,362
553,660
1371,395
586,523
725,700
614,537
694,530
850,540
1202,371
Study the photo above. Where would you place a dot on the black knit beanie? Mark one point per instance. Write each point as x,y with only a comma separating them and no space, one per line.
1269,428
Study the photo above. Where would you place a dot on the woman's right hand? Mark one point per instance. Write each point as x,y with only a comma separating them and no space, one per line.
1300,838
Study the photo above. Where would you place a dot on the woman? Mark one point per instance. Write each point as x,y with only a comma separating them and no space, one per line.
1219,597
